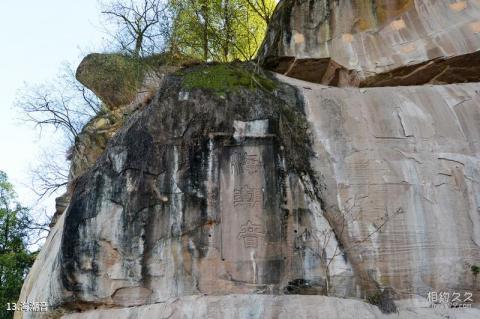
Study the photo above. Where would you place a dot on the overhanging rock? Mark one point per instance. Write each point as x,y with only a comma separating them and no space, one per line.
375,42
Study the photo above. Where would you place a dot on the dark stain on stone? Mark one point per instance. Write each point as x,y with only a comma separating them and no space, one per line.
137,175
302,286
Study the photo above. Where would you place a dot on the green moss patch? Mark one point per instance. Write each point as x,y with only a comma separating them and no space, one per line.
223,78
475,270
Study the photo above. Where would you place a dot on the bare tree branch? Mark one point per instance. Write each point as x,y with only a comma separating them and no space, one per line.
50,176
63,104
138,23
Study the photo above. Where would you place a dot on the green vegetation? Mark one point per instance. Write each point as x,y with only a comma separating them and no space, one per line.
219,30
207,30
223,78
475,270
383,301
375,298
15,259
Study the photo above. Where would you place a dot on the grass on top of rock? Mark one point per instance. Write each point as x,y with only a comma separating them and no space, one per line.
223,78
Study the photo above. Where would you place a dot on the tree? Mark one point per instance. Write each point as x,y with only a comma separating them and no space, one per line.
263,8
250,23
15,259
217,30
208,30
189,34
335,240
65,106
50,175
138,26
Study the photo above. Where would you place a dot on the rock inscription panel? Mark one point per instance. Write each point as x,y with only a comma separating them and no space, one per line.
250,226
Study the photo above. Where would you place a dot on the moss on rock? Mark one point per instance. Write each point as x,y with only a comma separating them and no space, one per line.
223,78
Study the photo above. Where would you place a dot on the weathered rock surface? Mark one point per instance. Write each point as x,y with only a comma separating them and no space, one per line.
231,194
145,223
407,158
199,193
375,42
262,306
120,80
124,85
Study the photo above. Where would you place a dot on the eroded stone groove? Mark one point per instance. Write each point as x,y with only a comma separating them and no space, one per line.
459,69
323,71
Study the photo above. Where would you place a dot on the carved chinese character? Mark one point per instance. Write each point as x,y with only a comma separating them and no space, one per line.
252,164
251,233
244,162
247,196
238,162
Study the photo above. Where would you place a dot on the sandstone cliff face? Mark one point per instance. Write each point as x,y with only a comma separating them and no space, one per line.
123,85
375,42
406,158
236,194
195,195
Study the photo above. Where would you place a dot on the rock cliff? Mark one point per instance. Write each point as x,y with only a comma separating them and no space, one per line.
236,193
375,42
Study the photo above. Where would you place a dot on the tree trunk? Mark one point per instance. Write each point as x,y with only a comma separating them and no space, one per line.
226,17
205,29
138,45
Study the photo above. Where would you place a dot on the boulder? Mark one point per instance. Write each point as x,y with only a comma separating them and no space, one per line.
120,79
